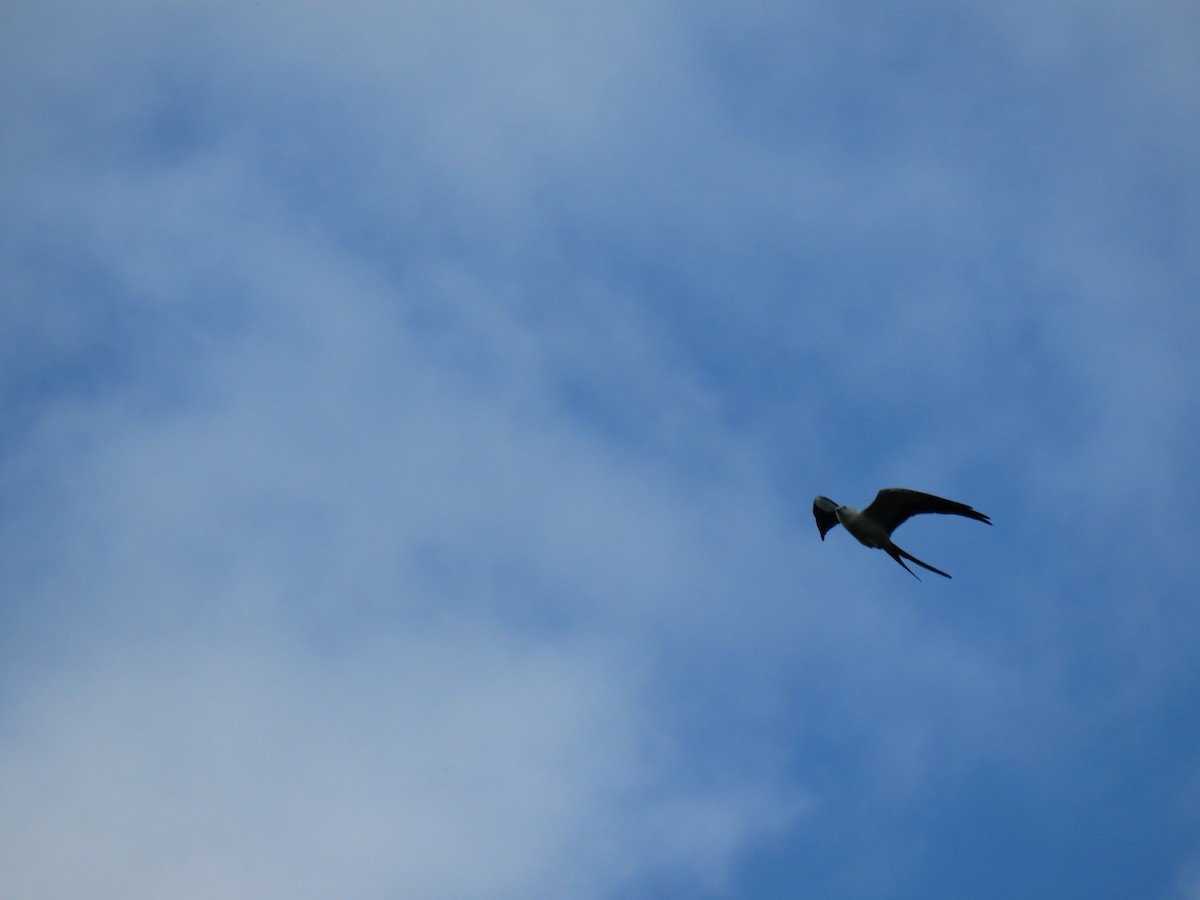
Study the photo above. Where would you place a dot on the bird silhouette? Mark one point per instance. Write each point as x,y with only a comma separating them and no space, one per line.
890,509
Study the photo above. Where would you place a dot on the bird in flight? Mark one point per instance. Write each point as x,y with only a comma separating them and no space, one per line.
891,508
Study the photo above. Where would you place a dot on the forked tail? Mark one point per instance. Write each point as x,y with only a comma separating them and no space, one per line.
896,553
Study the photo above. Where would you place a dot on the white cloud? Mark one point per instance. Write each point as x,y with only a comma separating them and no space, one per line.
284,594
437,763
420,404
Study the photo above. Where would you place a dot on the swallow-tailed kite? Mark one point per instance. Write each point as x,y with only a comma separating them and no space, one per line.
873,526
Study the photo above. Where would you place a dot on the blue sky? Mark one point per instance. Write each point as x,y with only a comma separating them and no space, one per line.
410,416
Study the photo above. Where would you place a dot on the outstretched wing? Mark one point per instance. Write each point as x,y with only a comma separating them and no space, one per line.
894,506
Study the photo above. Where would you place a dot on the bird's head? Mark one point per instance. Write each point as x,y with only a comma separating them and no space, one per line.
825,512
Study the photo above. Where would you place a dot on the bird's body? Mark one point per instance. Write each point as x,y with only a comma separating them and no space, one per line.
873,526
865,530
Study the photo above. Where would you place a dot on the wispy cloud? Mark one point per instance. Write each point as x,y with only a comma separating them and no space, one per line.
410,415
